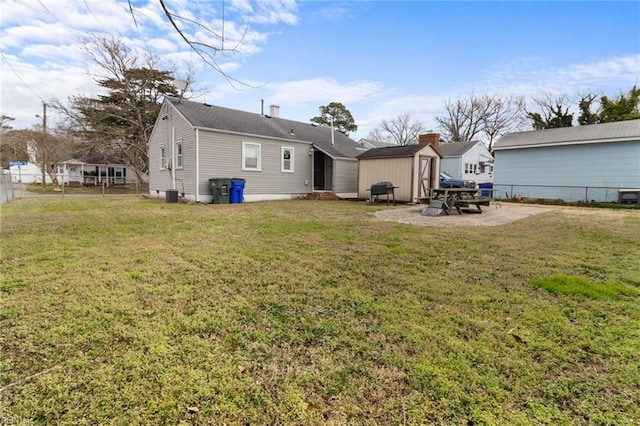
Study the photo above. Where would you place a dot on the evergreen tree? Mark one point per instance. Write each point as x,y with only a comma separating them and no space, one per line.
620,109
586,116
119,123
338,114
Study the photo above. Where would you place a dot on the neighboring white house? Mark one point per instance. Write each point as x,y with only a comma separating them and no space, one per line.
370,143
74,171
467,161
584,163
27,172
77,171
193,142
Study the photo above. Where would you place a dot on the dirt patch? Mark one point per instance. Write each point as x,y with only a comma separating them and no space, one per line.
494,215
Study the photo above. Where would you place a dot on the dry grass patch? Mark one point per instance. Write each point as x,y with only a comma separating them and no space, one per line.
132,311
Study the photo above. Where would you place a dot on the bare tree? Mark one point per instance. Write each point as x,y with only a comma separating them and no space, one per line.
403,129
189,30
46,150
486,116
504,115
465,118
378,135
122,120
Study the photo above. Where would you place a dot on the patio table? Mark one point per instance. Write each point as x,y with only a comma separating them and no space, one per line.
460,199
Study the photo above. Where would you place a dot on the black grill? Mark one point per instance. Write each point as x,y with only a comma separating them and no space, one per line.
383,188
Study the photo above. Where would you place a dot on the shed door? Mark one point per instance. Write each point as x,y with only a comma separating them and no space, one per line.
426,167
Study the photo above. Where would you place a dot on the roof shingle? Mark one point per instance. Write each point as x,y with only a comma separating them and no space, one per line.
392,151
218,118
605,132
456,149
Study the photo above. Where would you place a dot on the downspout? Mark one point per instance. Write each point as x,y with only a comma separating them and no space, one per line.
173,157
197,165
313,159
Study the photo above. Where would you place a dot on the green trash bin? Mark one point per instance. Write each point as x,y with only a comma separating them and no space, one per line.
220,190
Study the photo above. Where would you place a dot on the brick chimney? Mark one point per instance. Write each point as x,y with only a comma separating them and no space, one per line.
274,111
430,138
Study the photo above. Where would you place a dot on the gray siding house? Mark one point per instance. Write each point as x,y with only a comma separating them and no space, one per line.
279,159
585,163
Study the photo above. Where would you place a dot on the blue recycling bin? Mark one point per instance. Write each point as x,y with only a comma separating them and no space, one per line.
488,185
237,190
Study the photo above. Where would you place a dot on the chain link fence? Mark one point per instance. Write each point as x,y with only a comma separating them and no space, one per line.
7,190
30,185
587,194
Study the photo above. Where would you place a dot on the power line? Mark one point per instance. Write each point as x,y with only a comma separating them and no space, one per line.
18,75
94,16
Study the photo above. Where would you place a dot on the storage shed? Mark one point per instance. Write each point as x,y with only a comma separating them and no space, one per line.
413,169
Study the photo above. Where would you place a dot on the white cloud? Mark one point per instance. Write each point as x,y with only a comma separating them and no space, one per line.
41,41
324,90
625,68
529,77
334,12
271,12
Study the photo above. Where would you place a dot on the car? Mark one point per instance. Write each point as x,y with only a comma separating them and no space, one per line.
447,181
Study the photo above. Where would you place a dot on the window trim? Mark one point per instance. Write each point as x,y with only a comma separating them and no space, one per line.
163,157
291,159
258,167
179,154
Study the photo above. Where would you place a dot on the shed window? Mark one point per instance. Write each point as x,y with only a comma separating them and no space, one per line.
251,156
163,158
287,159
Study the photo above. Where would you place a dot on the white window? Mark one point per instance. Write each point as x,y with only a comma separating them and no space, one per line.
251,156
287,159
163,158
179,154
470,168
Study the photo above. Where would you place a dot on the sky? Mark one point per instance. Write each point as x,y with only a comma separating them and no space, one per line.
380,59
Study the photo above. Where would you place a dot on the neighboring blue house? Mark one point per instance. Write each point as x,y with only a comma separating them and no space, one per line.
584,163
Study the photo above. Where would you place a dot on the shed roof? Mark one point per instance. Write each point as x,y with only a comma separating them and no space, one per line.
393,151
593,133
213,117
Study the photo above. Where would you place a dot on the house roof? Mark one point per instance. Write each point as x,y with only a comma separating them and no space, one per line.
72,161
592,133
371,143
218,118
393,151
456,149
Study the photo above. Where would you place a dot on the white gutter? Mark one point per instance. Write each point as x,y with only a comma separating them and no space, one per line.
565,143
173,157
197,165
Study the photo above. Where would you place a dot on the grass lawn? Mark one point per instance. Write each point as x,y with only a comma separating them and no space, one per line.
134,311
